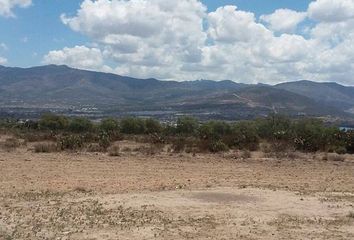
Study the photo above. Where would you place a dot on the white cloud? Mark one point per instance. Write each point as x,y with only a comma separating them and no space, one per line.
180,40
227,24
6,6
331,10
78,57
3,60
284,20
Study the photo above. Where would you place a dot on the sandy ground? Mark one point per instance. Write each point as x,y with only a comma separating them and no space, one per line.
173,196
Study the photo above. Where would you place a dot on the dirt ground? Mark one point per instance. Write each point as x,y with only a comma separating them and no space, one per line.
173,196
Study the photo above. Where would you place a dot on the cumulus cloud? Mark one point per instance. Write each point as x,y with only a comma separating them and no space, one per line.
6,6
284,20
180,40
78,57
331,10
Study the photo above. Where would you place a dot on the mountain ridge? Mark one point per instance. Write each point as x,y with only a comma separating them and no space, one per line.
64,87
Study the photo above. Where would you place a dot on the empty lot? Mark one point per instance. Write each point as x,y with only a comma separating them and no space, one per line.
173,196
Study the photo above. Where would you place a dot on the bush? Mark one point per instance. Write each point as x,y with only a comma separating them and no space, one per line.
35,136
153,126
246,154
114,151
11,144
243,136
214,130
53,122
111,127
274,128
80,125
150,150
187,126
178,144
217,146
132,125
349,141
45,148
104,140
94,147
70,142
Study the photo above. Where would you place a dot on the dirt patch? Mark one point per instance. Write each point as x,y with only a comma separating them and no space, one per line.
95,196
223,198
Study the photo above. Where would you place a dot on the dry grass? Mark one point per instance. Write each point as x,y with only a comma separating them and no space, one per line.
334,157
45,147
94,147
114,151
11,144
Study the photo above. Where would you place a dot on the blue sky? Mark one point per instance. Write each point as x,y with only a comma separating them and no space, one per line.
254,41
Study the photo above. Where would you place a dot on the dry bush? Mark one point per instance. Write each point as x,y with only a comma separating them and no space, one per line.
127,149
334,157
279,150
114,151
350,215
151,149
38,136
10,144
45,148
246,154
94,147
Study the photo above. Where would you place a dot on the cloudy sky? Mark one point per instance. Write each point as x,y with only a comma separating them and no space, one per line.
249,41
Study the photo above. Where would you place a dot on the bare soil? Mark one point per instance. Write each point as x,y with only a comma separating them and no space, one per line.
173,196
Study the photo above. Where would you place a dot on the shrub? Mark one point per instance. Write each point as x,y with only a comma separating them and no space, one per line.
70,142
104,140
152,149
114,151
246,154
178,144
53,122
45,147
187,126
349,141
214,130
243,136
132,125
217,146
111,127
152,126
33,136
275,127
94,147
11,144
80,125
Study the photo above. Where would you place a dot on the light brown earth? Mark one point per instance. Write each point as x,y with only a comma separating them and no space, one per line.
173,196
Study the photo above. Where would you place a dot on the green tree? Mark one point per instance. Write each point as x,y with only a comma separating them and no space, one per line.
131,125
80,125
187,126
53,122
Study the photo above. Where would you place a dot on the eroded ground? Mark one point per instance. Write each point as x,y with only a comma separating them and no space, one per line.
173,196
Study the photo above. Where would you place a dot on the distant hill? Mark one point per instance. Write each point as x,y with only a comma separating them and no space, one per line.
61,87
330,93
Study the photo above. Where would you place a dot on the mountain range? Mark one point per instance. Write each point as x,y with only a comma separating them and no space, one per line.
67,89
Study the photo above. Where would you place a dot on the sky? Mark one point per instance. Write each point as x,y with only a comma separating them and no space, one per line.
248,41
